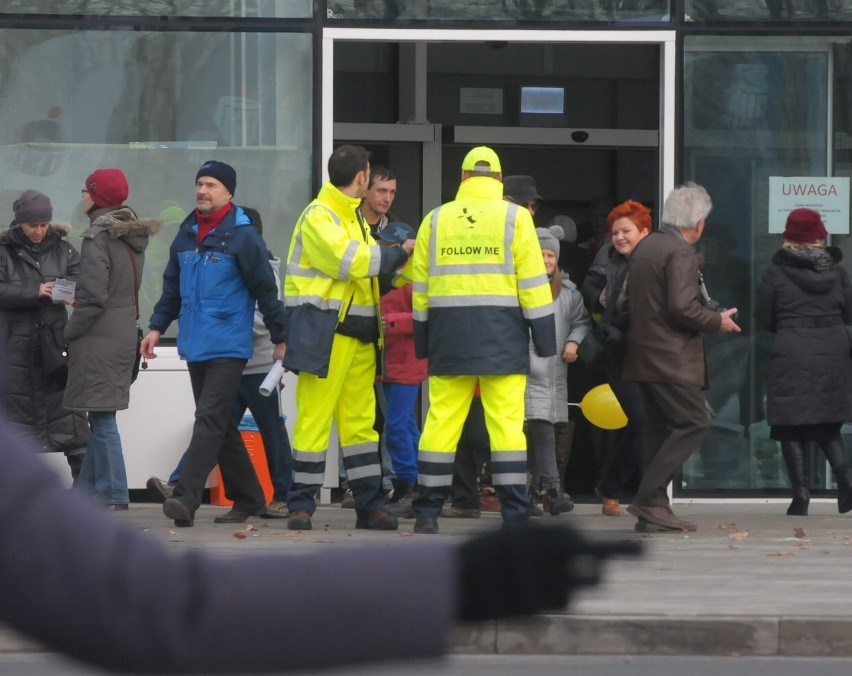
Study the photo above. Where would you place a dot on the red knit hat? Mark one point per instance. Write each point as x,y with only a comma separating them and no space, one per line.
107,187
804,226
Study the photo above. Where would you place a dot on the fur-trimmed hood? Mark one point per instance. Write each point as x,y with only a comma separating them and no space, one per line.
806,267
123,222
61,229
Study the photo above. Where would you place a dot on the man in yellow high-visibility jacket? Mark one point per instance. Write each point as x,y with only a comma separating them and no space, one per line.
479,288
332,296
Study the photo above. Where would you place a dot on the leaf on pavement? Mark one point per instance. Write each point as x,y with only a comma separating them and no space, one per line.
799,532
780,554
739,535
240,535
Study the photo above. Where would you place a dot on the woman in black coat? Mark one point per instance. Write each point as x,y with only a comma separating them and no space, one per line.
33,253
805,299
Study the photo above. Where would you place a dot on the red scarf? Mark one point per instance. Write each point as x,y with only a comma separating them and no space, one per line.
206,222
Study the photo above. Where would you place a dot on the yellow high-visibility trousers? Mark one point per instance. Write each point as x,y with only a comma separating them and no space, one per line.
449,401
347,397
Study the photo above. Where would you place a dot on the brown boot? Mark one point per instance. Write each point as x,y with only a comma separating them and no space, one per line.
611,507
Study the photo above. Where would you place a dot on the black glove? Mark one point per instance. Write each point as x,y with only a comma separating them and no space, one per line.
522,570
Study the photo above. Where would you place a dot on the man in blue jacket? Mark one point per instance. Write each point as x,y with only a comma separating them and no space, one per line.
217,270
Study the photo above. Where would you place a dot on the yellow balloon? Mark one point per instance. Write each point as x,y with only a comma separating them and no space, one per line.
602,409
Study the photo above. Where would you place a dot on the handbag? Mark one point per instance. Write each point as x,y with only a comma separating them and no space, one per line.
310,338
137,362
54,352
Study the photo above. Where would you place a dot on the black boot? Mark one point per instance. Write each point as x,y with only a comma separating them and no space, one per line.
556,502
794,459
75,462
835,453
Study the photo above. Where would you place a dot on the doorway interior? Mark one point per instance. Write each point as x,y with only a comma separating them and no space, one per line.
585,118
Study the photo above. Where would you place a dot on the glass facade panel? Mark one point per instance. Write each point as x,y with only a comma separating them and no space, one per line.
748,115
157,105
280,9
772,10
504,10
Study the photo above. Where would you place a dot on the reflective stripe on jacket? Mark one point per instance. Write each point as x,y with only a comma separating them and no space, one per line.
480,285
333,263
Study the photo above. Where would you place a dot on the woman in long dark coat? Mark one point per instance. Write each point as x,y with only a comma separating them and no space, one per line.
102,329
805,299
33,253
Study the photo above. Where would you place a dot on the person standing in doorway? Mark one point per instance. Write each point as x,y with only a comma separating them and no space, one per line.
480,287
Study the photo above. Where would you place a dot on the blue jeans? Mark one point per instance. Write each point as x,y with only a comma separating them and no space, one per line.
402,433
103,471
276,443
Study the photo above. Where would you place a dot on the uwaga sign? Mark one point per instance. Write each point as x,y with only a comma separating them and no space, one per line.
828,196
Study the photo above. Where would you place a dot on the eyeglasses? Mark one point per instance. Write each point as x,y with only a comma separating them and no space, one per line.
84,192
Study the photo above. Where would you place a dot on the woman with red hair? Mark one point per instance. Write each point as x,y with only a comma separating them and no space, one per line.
604,291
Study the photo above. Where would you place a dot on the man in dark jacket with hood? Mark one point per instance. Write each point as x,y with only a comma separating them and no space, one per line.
218,268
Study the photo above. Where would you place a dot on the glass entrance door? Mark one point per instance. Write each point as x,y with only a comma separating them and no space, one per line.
420,110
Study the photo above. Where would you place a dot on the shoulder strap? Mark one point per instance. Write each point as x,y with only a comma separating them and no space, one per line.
135,277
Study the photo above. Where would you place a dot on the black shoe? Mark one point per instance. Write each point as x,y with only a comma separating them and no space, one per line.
556,502
299,519
175,509
235,516
798,507
426,525
381,519
158,490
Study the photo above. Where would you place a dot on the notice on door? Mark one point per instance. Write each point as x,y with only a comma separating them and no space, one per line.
828,196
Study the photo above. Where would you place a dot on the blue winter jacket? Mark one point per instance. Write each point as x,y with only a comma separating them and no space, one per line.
211,289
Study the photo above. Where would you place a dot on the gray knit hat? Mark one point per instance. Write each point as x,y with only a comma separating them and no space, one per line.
549,238
33,207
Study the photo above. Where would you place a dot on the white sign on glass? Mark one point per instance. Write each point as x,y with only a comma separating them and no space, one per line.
828,196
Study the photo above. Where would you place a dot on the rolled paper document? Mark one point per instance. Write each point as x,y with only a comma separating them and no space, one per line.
270,383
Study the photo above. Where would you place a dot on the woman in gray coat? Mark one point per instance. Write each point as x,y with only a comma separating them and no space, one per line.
34,252
102,330
805,299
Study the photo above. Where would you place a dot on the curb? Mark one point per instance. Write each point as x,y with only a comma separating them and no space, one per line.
655,635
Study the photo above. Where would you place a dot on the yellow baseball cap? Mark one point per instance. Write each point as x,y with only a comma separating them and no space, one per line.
484,157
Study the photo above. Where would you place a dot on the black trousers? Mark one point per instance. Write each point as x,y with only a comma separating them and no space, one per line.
676,419
216,439
473,451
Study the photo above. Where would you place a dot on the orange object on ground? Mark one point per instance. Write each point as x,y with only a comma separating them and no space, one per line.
254,445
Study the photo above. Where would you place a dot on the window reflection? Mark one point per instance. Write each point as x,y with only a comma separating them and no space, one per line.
748,115
505,10
773,10
157,105
291,9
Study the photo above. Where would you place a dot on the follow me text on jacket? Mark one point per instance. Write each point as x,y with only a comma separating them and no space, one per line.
480,285
211,288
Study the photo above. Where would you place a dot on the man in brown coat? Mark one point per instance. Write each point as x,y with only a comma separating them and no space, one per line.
665,352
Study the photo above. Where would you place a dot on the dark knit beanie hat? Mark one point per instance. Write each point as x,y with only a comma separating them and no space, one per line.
33,207
804,226
107,187
224,173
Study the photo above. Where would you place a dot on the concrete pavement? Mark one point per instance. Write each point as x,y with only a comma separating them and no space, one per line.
750,581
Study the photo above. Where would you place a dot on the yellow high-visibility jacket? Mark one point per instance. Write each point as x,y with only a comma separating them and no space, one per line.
333,263
479,285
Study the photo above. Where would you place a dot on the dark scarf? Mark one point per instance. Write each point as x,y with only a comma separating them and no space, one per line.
206,222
